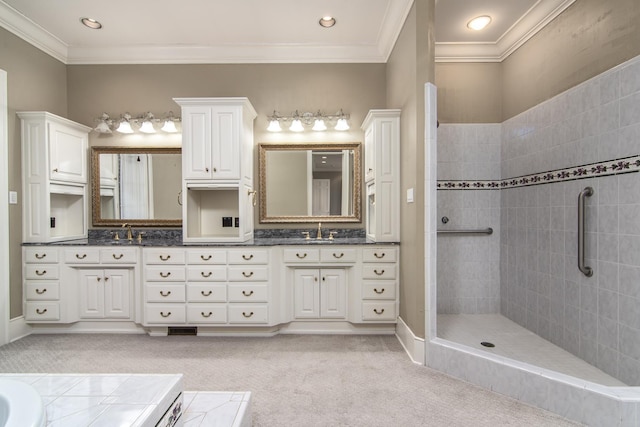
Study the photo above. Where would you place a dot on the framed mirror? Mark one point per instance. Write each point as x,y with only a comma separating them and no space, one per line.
139,186
309,183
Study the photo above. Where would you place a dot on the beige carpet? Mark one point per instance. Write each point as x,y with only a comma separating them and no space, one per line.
296,380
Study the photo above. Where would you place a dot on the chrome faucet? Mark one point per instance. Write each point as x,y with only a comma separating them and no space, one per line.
319,235
129,232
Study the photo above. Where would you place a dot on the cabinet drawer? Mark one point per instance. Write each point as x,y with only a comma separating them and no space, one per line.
164,292
379,289
338,255
248,256
247,293
206,256
119,256
42,311
207,273
379,271
164,256
40,255
41,290
386,254
41,272
206,292
248,313
301,255
82,256
379,311
207,313
165,274
248,274
165,313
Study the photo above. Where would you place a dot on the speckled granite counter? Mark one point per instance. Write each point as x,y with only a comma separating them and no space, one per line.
171,237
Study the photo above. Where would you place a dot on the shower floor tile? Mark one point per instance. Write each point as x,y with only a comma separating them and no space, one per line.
515,342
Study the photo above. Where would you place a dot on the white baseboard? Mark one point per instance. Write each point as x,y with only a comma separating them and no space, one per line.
414,346
18,328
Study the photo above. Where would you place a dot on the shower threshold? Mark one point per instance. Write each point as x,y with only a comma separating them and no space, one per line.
515,342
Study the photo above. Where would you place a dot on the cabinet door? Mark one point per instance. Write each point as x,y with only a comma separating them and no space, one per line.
333,293
116,294
67,154
196,147
369,154
306,293
225,142
91,294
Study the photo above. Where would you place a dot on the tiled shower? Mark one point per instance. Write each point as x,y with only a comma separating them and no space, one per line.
522,178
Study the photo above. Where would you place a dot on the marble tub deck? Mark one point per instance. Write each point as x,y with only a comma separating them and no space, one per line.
132,400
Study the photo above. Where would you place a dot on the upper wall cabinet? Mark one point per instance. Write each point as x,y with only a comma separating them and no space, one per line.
54,177
217,169
382,174
215,137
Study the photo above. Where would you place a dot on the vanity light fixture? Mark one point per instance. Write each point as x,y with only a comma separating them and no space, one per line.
478,23
299,122
145,123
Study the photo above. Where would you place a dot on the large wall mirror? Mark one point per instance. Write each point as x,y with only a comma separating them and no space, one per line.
309,183
139,186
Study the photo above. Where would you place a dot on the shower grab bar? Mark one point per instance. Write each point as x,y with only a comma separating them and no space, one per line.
488,230
586,270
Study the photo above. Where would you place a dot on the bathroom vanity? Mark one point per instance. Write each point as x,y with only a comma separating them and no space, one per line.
267,287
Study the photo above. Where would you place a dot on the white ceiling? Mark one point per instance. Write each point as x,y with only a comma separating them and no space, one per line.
257,31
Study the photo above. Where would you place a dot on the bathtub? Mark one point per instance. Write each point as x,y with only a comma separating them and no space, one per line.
20,405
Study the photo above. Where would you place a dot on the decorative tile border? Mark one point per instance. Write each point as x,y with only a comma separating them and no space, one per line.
606,168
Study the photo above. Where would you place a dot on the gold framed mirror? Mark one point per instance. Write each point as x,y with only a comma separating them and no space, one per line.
136,185
310,183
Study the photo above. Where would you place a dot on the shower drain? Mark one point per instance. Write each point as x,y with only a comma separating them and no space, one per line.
487,344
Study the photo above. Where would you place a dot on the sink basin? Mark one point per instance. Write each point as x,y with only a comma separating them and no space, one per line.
20,405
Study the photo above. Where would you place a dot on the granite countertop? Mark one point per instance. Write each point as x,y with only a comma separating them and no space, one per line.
171,237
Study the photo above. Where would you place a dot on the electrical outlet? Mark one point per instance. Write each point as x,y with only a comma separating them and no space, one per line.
52,220
237,222
227,221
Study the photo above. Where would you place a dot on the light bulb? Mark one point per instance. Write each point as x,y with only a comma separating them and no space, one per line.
479,23
296,126
274,126
342,124
124,127
319,125
102,127
147,127
169,126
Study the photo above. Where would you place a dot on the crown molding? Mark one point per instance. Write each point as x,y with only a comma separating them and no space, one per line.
18,24
536,18
392,25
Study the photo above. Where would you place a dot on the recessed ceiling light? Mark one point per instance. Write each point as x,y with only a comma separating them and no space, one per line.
327,21
91,23
479,23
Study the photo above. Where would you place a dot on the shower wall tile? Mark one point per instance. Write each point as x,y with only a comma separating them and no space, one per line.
593,317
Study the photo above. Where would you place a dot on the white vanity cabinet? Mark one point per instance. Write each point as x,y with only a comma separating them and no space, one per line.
164,282
41,284
382,175
217,169
320,293
105,294
248,286
54,178
379,291
69,284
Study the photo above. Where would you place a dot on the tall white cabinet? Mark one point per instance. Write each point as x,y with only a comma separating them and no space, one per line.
54,178
217,165
382,174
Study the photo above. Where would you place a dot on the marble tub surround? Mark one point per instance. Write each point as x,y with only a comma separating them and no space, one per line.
109,399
